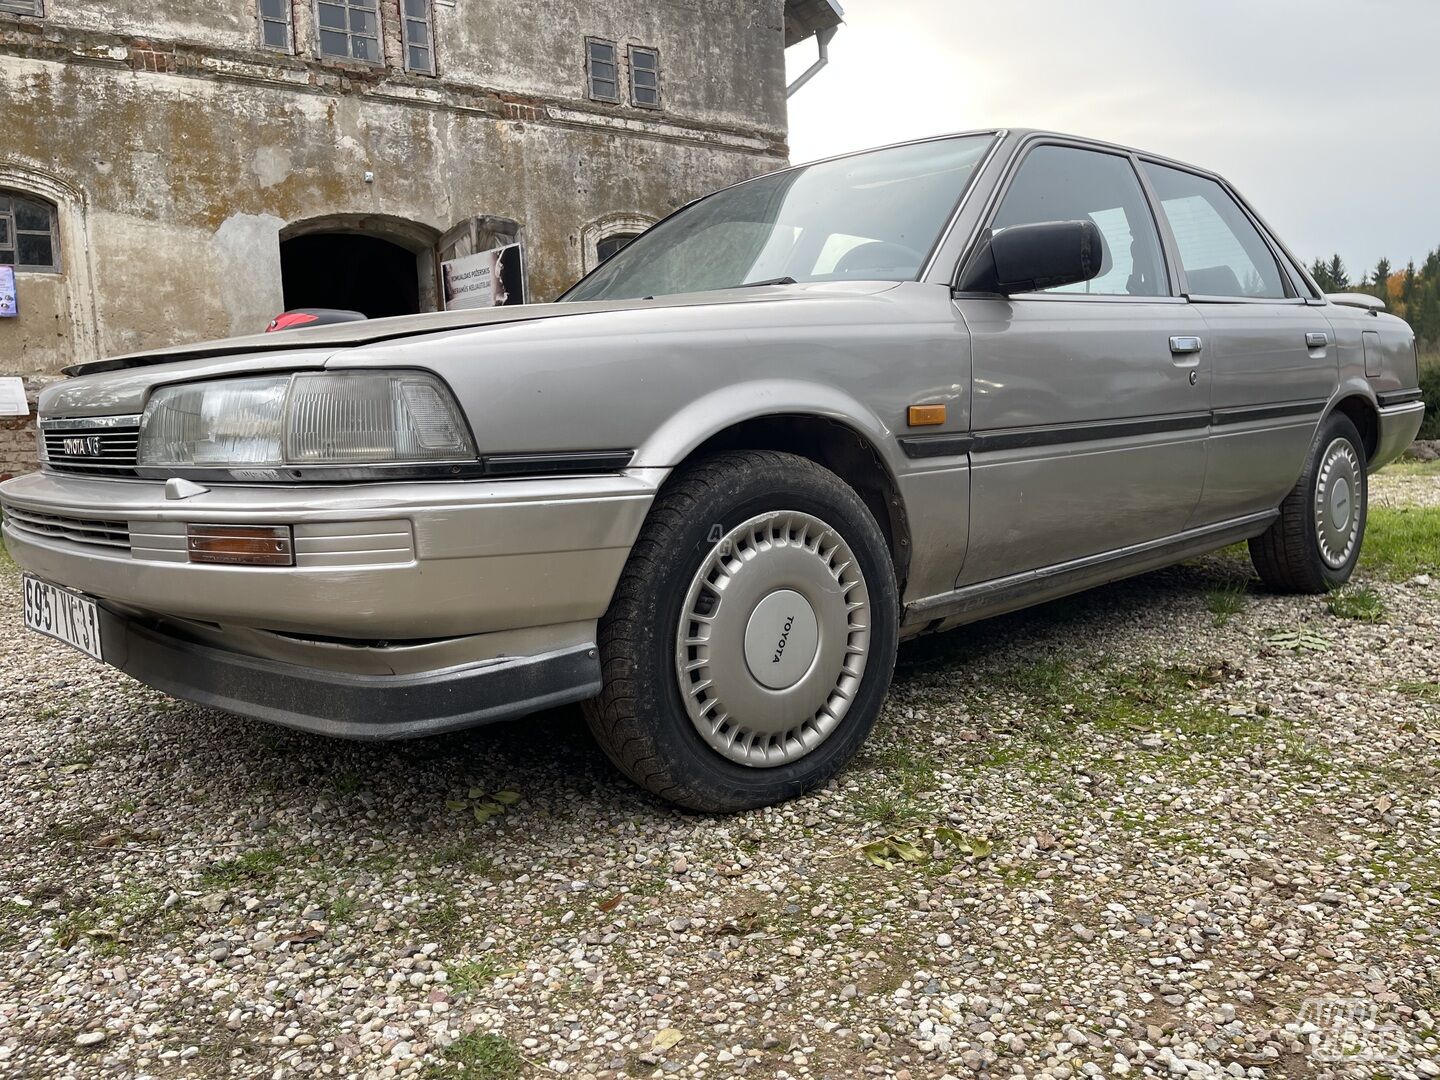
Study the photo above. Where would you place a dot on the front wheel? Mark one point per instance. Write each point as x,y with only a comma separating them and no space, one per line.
1314,544
752,636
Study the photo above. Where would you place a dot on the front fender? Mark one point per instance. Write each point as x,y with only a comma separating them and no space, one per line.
706,417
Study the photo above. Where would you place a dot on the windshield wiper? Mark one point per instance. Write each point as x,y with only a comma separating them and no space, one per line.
757,284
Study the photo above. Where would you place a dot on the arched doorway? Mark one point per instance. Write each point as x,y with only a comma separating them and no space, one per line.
377,265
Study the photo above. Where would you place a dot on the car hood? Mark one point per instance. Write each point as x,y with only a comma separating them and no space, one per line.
351,335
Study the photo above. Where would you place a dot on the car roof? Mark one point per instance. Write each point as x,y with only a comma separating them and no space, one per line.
1020,135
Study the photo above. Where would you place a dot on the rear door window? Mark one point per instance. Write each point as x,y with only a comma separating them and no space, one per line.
1222,251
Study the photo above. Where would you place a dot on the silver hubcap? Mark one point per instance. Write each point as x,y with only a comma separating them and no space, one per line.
773,639
1339,490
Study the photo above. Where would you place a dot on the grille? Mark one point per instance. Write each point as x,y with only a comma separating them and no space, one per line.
104,444
89,531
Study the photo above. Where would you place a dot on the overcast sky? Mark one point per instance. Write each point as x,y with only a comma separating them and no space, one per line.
1324,113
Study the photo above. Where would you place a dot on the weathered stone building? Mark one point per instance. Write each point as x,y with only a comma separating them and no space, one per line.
183,169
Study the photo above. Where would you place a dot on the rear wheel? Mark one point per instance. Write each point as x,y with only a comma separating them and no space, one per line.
752,637
1314,544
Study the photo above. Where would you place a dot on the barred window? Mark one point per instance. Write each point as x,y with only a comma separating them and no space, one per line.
350,30
644,77
612,245
275,25
419,37
602,69
23,7
29,239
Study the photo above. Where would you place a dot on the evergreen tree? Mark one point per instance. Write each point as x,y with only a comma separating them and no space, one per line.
1382,279
1321,273
1338,276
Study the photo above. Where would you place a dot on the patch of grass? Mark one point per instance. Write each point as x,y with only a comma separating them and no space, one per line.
1356,602
441,920
347,783
468,858
481,1056
252,866
1412,467
471,975
1401,542
1120,704
1226,602
1426,691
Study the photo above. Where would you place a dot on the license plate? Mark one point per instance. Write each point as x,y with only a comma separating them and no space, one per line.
63,615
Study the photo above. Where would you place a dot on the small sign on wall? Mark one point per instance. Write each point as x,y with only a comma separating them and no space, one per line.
12,398
9,295
494,278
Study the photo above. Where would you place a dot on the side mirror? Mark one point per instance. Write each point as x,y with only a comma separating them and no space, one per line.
1028,258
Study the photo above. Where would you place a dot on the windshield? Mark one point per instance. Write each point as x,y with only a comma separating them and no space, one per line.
872,216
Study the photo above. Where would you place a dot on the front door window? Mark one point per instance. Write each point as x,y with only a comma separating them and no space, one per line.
1063,183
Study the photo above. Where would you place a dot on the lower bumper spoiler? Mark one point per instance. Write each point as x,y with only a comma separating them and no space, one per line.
369,707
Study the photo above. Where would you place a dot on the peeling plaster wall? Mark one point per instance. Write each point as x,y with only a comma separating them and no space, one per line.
177,150
720,58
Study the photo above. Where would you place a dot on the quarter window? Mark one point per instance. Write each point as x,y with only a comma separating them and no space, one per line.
419,37
1063,183
275,29
644,77
1221,250
28,239
602,70
23,7
350,30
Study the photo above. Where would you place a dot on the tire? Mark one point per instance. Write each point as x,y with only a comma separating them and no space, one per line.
1314,544
766,528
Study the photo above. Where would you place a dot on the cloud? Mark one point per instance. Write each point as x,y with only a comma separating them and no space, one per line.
1325,113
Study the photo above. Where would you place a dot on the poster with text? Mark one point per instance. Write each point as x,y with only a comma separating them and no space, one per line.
494,278
9,298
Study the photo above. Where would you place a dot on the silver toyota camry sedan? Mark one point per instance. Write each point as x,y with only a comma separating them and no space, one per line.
709,491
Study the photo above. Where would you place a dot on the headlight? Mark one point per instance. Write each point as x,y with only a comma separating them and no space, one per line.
285,426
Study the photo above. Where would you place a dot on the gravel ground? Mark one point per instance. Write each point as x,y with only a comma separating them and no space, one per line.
1177,826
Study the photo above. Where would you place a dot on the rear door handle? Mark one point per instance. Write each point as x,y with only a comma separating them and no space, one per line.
1317,340
1183,344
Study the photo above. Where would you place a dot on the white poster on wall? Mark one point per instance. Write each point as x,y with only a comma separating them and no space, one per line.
9,295
494,278
12,398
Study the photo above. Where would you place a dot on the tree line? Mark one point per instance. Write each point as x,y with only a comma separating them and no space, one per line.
1413,293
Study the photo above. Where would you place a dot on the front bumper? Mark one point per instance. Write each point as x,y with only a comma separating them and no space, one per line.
412,608
392,562
342,704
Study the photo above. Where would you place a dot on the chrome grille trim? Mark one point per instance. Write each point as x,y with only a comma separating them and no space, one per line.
90,423
89,531
113,444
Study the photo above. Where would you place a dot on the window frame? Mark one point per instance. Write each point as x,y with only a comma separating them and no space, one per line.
349,58
261,19
614,62
1284,261
35,8
653,51
56,266
1173,283
428,20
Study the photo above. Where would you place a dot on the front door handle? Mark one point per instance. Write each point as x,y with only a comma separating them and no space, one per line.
1183,344
1317,340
